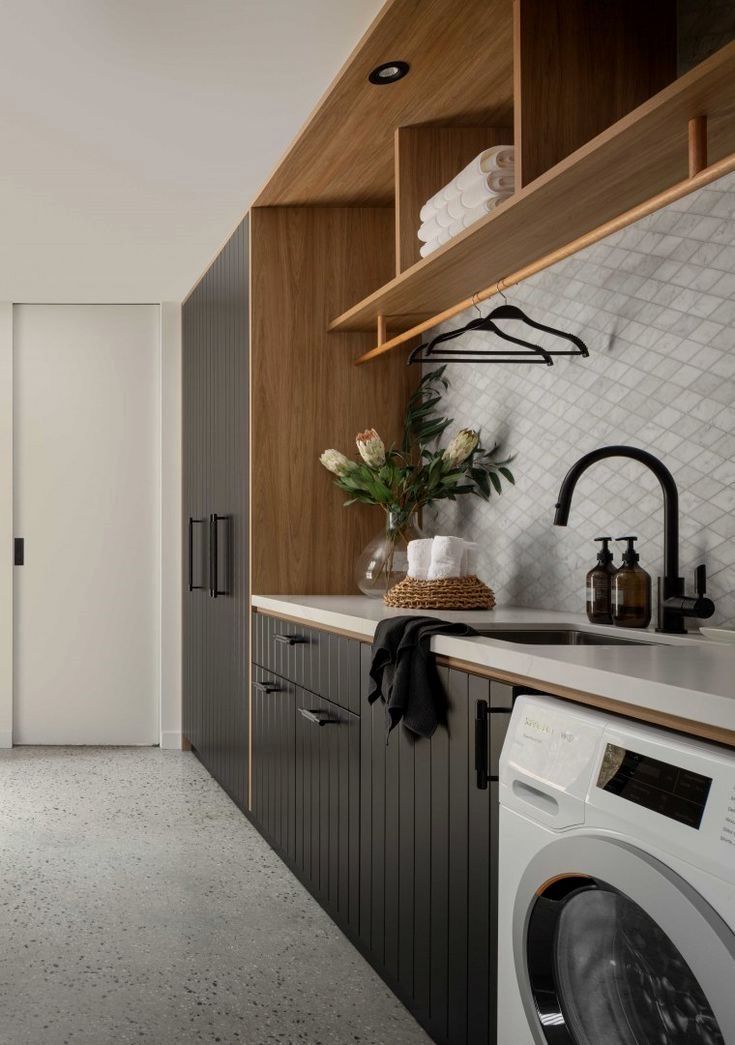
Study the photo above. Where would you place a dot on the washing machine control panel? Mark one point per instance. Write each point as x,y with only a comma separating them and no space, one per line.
673,791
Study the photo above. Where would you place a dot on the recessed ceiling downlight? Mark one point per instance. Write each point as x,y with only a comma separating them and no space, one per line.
389,72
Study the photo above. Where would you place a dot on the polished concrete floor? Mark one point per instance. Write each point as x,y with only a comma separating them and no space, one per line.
138,905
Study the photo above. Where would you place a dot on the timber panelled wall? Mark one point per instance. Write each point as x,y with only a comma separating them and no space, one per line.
215,452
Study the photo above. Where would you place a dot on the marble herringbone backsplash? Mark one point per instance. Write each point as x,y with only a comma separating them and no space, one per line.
656,306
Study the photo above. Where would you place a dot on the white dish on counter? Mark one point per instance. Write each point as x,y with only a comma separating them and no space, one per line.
719,634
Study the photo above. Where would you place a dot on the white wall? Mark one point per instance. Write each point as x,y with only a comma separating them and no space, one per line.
171,525
6,524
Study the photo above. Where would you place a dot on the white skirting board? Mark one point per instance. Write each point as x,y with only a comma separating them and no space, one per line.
170,741
6,738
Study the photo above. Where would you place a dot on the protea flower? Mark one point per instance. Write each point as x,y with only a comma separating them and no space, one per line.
336,462
371,447
461,447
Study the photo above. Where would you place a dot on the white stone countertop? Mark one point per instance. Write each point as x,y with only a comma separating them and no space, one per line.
691,677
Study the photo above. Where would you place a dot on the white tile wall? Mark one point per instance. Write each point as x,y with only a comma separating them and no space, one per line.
655,304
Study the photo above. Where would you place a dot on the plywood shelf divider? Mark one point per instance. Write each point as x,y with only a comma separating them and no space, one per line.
630,170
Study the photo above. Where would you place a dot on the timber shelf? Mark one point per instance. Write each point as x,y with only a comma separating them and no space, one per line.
640,156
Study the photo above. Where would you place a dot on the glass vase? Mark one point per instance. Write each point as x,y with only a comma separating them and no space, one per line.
384,561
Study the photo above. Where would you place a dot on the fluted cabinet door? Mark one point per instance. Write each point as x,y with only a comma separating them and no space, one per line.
216,496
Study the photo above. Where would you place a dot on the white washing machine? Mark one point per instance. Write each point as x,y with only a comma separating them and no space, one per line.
616,917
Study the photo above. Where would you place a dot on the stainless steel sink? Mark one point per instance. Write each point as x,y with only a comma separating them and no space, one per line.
558,637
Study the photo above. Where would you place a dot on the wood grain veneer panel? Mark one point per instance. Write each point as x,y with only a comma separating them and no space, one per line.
307,263
580,65
427,158
461,58
643,154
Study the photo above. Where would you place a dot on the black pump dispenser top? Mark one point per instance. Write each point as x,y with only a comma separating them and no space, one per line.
604,555
630,555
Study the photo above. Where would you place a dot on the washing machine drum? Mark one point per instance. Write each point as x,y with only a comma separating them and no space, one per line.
600,967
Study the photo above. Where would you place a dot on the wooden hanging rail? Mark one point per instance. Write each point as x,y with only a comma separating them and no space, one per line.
696,181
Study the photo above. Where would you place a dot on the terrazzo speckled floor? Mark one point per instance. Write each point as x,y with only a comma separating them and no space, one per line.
138,905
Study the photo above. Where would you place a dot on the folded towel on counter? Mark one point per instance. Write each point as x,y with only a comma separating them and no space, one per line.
469,559
404,675
499,158
446,558
419,558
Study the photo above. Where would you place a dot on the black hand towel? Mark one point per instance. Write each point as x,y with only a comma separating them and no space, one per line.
403,671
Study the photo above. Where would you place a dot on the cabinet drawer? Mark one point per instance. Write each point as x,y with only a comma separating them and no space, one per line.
318,660
273,796
328,804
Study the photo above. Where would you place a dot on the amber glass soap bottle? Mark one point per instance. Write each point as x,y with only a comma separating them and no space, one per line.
599,585
631,601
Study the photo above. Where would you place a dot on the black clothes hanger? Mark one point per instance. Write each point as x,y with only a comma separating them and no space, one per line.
506,311
531,354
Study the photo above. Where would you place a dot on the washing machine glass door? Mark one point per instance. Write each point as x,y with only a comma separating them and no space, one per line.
607,961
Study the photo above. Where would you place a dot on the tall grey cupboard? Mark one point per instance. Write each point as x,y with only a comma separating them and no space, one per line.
215,461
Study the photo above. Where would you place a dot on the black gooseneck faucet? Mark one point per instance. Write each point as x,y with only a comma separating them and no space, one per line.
673,604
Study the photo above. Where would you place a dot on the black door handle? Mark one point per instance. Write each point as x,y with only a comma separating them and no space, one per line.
318,718
481,745
289,640
267,687
19,551
214,589
192,523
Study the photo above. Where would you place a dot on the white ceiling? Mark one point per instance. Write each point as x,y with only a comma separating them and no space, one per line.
133,133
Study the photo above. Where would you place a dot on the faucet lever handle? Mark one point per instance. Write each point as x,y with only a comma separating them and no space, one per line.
700,579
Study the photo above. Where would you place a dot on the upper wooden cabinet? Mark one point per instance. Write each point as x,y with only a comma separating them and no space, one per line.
586,90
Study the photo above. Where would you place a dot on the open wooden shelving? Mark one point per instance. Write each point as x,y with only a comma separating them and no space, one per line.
639,156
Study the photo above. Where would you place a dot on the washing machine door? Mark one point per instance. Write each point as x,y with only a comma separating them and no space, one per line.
614,948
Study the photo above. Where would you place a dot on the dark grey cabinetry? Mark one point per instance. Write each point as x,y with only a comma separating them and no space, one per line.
428,884
328,804
215,517
396,840
306,751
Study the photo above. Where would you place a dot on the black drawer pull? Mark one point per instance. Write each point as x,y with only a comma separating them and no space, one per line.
289,640
319,718
481,767
267,687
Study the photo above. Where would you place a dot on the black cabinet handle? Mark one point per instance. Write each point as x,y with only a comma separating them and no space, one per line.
192,523
267,687
214,589
318,718
289,640
481,746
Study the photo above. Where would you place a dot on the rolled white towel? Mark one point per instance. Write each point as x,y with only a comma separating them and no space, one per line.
429,230
471,216
419,558
499,158
469,559
428,248
497,183
443,218
446,558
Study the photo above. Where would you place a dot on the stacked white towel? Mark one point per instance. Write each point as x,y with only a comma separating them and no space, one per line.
419,558
440,558
484,183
